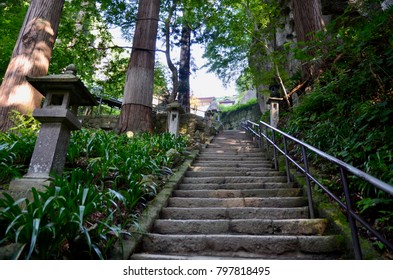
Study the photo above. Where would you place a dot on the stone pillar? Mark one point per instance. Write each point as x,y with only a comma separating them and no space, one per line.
173,121
63,94
274,110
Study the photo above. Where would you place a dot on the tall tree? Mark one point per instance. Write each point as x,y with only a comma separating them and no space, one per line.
184,67
136,111
167,30
30,57
308,21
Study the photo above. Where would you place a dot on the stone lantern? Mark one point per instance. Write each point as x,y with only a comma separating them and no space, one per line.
274,101
58,115
173,122
211,113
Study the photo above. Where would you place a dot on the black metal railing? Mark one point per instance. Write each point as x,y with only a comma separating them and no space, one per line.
276,142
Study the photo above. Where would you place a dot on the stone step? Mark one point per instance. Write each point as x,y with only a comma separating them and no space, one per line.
234,179
147,256
233,164
250,158
226,193
233,154
231,150
211,213
232,173
276,202
239,245
221,145
242,226
234,186
229,169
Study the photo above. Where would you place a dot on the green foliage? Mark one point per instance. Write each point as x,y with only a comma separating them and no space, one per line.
79,220
12,13
237,37
17,146
238,106
84,212
349,112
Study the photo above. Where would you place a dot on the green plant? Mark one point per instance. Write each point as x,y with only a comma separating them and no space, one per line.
108,179
66,214
16,146
236,107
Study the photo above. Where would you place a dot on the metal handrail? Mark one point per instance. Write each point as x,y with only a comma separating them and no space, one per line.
265,135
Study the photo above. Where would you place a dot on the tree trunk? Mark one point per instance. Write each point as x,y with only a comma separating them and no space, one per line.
136,111
172,67
308,21
30,57
184,69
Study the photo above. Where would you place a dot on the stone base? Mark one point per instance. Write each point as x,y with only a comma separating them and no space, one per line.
21,188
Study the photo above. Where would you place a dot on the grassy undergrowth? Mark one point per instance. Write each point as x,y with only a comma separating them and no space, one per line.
107,180
349,113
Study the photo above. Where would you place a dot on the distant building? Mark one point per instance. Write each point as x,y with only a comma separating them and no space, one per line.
226,102
203,103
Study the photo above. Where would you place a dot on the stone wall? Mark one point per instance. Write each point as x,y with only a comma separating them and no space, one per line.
190,124
103,122
232,119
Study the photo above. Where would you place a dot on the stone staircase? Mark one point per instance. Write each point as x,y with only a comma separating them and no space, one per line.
233,204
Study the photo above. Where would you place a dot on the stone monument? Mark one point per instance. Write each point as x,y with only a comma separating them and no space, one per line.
274,101
174,110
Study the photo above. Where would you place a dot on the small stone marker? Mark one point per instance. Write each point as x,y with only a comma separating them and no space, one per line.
173,121
274,110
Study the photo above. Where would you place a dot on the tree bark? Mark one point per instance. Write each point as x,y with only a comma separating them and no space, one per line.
184,68
172,67
308,20
136,112
30,57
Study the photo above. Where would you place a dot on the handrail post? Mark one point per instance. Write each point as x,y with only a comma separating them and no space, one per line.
354,231
248,129
261,140
275,159
288,171
267,141
308,183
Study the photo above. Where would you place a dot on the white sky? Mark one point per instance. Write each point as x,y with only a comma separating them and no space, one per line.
205,84
202,84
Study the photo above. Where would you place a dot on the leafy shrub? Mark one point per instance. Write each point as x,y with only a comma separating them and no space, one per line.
84,211
349,112
66,215
236,107
17,146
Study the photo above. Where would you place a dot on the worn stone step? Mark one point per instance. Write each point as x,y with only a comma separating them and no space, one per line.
233,164
209,213
238,245
232,173
246,158
228,169
226,193
242,226
234,186
147,256
232,155
232,144
277,202
231,150
234,179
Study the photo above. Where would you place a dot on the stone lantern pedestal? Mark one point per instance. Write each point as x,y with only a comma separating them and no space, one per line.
274,110
63,94
173,122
